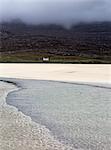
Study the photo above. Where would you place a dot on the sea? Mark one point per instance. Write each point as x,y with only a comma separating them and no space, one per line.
76,114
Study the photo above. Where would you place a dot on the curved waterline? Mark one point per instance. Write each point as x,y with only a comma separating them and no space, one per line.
35,135
99,117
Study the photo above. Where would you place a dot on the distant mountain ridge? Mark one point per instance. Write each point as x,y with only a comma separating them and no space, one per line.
80,27
92,27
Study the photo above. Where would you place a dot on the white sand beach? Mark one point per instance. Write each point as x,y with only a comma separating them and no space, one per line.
59,72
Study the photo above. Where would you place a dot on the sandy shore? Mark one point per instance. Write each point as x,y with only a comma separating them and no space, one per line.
19,132
58,72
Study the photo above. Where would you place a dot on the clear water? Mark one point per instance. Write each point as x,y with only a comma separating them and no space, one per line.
77,115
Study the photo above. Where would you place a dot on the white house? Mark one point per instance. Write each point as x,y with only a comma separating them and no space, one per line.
45,58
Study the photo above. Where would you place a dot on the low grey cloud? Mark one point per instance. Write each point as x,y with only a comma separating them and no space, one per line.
65,12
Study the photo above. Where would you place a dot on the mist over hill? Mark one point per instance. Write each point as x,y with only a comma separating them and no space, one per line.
62,12
104,26
64,30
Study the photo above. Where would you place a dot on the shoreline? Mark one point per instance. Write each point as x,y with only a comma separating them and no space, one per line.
92,84
25,120
12,122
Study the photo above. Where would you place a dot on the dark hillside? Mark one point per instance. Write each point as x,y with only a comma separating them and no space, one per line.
89,41
92,27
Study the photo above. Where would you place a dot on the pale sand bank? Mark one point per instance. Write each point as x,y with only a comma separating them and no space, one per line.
18,132
58,72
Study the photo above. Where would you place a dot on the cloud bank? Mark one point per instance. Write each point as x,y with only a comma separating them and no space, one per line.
65,12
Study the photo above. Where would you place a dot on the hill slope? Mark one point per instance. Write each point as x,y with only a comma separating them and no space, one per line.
81,43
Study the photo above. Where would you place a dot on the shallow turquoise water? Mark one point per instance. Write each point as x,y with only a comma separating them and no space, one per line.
78,115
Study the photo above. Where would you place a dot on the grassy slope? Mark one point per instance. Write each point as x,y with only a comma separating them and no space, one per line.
31,57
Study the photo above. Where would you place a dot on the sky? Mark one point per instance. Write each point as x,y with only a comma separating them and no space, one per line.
64,12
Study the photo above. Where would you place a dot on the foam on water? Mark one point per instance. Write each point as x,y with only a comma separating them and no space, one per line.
19,132
77,115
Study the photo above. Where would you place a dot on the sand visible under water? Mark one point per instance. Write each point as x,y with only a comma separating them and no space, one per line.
18,132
